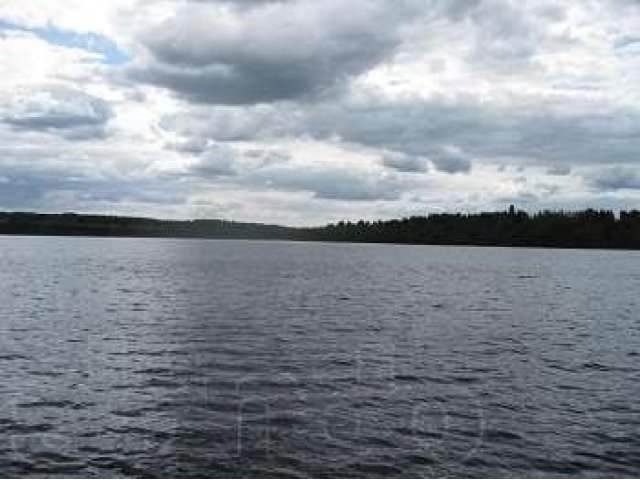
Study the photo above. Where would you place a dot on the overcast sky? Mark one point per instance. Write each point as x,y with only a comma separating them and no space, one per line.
308,111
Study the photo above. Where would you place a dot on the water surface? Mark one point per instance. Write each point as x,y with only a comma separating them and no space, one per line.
156,357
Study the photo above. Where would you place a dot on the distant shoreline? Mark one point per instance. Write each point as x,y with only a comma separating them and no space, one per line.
588,229
311,241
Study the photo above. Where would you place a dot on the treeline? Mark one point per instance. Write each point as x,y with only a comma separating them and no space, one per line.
583,229
22,223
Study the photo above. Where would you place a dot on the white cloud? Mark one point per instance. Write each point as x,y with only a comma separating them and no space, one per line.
29,60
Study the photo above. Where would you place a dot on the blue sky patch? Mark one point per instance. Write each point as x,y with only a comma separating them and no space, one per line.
628,44
89,42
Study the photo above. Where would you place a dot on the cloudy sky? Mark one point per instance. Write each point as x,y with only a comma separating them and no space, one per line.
307,111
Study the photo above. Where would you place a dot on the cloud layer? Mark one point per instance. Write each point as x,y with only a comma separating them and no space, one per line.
306,111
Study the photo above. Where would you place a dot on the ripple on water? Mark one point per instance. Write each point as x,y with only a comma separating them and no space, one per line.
202,358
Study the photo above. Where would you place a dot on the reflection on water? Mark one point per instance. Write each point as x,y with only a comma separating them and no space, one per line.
139,357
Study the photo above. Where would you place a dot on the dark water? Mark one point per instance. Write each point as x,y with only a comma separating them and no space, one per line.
129,357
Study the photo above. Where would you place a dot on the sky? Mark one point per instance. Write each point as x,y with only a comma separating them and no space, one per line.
302,112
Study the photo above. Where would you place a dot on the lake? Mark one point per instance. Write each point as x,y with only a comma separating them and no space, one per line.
160,357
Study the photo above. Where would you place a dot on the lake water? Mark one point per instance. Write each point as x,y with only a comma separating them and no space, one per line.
149,357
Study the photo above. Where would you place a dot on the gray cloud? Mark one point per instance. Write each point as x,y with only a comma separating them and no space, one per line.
504,40
405,163
524,133
54,191
331,184
520,134
275,169
24,192
616,178
71,112
215,161
452,164
274,52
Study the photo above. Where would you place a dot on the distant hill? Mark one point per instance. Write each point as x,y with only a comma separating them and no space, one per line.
582,229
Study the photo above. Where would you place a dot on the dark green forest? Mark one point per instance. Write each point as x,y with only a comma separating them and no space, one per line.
565,229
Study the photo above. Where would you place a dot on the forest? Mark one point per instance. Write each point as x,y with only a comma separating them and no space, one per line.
588,228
